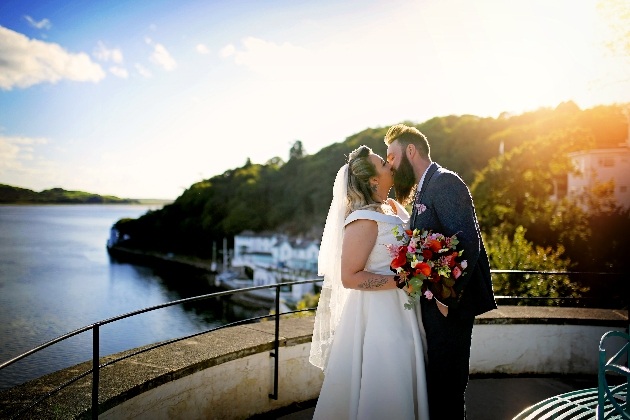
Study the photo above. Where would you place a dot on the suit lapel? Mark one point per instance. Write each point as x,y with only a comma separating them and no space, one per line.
430,172
419,194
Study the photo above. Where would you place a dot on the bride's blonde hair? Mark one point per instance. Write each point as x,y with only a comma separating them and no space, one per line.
360,170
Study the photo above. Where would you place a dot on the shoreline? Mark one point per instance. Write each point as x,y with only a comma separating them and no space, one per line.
152,257
256,299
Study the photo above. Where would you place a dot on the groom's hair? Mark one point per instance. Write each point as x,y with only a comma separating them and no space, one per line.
406,135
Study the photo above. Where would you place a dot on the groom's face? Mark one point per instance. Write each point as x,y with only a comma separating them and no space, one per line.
404,177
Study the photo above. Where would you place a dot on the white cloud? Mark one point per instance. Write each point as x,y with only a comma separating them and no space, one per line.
114,55
26,62
227,51
102,53
161,56
341,61
142,71
202,49
119,72
287,62
15,150
42,24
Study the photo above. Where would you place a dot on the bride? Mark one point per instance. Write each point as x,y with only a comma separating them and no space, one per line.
370,348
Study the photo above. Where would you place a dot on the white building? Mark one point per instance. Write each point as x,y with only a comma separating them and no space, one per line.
275,258
597,166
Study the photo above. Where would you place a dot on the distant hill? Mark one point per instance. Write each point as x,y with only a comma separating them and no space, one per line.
16,195
511,163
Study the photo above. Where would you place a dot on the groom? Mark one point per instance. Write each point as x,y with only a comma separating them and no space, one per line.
442,203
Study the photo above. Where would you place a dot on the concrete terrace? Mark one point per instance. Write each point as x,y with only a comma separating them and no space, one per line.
520,356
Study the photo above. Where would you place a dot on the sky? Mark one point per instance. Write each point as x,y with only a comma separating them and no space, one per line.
142,99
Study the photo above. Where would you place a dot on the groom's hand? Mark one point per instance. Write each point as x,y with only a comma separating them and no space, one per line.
442,308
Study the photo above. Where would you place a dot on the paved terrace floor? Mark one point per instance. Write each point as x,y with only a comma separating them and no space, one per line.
487,398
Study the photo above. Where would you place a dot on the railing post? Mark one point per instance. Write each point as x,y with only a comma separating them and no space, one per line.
276,345
95,370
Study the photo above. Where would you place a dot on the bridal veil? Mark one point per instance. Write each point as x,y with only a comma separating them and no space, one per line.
333,295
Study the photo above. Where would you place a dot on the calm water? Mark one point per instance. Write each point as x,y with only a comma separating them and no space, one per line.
56,277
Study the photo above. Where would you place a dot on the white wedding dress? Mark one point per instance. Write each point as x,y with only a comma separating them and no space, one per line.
375,369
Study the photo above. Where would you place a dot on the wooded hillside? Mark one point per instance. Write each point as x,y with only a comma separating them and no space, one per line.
16,195
511,189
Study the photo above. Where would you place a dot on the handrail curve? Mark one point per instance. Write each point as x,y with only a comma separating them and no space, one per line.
95,328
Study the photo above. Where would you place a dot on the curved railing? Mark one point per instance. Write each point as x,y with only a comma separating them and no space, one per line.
96,335
276,315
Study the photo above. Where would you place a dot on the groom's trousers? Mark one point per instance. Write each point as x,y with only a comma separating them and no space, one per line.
448,348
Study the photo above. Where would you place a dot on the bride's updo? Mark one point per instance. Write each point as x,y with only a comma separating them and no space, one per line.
360,170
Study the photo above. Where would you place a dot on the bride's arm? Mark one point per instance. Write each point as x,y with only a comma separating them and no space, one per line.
358,241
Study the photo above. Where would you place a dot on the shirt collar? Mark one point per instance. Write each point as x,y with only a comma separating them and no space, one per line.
422,177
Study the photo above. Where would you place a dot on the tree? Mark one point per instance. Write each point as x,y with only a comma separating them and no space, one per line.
515,188
517,253
296,151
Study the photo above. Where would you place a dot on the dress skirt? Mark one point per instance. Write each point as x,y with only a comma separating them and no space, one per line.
376,368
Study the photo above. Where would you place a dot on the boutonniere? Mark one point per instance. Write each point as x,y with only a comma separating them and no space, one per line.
420,208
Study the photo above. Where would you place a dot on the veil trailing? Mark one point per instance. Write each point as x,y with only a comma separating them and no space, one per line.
333,295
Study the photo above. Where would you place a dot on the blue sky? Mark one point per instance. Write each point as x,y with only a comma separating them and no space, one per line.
142,99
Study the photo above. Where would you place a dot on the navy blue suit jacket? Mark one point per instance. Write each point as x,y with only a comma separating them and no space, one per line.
444,205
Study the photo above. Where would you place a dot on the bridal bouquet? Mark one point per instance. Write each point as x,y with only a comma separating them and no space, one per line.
428,263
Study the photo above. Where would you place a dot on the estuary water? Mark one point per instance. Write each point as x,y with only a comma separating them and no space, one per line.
56,276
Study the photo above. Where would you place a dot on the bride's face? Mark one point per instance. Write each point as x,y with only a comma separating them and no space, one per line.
384,175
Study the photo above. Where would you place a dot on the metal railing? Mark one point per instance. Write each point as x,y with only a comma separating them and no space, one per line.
95,328
96,366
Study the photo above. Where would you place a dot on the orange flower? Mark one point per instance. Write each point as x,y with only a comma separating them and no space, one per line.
434,245
400,259
423,268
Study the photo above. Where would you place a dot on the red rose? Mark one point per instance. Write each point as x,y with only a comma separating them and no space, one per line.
400,259
435,278
427,254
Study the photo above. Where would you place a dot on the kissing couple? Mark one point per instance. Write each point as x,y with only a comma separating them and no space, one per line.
380,360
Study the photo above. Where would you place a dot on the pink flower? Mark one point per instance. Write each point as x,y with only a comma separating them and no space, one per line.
392,249
421,208
428,294
464,264
449,260
457,272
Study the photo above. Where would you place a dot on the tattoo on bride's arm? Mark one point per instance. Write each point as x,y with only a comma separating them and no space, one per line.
373,283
